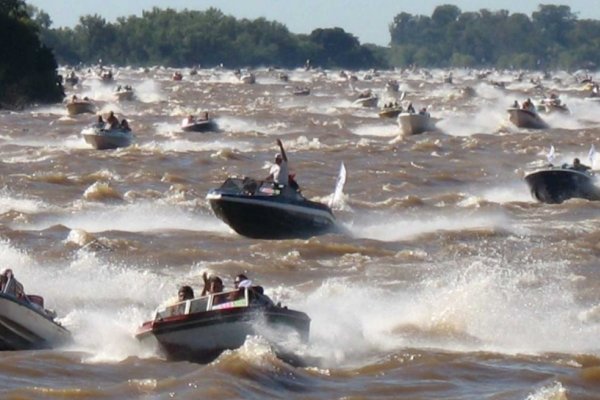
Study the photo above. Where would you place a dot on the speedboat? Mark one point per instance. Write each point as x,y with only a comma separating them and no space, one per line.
26,325
390,112
556,184
200,125
124,94
526,119
248,78
104,139
80,107
369,100
202,328
553,104
414,124
264,210
301,91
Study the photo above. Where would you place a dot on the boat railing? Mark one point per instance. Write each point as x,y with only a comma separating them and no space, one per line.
219,301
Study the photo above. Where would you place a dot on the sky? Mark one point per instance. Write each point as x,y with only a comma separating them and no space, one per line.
367,19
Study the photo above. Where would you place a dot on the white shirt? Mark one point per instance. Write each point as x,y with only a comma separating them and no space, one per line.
280,173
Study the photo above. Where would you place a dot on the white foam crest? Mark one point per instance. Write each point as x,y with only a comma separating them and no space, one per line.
184,145
233,124
10,201
505,193
553,391
390,228
149,91
389,130
96,217
481,304
486,120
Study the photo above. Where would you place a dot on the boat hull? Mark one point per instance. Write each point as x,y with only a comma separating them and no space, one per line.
414,124
202,337
526,119
200,126
554,186
80,107
22,327
389,113
264,218
106,140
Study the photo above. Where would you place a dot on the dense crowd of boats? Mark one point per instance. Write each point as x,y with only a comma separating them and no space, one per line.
274,208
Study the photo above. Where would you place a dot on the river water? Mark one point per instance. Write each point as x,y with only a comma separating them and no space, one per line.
451,282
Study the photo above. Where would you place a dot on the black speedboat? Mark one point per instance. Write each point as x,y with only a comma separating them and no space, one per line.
556,184
264,210
202,328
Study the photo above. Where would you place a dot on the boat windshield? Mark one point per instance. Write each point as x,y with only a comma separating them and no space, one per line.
219,301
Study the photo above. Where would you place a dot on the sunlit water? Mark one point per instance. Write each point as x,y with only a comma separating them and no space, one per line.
451,281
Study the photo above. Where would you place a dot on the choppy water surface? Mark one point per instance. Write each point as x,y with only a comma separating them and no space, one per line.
451,282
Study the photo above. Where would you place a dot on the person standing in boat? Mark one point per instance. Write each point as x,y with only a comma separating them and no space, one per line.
279,171
112,121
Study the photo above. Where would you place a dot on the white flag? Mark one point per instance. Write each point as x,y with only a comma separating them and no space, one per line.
339,186
591,155
550,156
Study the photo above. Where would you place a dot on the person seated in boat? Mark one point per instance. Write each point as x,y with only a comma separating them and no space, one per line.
578,166
242,282
100,123
112,121
528,105
74,99
410,108
185,293
279,171
204,116
11,286
516,104
125,125
423,111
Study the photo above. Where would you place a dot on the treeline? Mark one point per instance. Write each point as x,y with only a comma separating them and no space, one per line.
552,38
27,67
208,38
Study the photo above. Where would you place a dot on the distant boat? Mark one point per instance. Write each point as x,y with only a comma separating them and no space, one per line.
414,124
80,107
301,91
105,139
124,94
526,119
199,125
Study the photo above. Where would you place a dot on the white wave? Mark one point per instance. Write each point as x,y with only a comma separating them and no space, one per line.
129,218
390,228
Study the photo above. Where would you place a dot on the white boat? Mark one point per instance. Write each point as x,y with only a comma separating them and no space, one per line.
248,78
200,329
104,139
124,94
80,107
25,324
366,101
414,124
526,119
